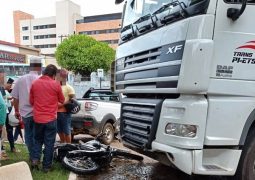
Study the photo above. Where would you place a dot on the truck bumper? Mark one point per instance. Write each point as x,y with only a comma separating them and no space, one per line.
204,161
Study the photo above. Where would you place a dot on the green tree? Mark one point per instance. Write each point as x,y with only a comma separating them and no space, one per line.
83,54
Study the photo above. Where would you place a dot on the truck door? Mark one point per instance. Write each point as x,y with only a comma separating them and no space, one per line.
234,42
232,80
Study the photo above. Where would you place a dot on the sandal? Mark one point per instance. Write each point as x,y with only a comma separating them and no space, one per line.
3,154
4,157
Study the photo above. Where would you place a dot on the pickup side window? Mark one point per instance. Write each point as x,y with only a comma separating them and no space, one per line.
114,98
104,96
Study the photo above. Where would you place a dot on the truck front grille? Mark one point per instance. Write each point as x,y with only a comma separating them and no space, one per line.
153,69
139,121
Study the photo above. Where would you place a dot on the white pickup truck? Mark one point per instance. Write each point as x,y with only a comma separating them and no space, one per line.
100,109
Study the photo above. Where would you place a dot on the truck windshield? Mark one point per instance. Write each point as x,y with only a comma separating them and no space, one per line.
137,9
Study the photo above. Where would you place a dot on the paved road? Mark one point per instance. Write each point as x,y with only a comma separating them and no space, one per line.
149,169
122,170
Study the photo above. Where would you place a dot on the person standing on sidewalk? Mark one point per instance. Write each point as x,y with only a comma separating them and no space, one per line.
23,108
2,117
64,117
8,101
45,94
3,154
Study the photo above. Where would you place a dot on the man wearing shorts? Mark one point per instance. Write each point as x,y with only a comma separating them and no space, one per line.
64,117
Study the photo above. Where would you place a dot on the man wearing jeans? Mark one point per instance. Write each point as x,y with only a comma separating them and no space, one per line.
45,94
23,108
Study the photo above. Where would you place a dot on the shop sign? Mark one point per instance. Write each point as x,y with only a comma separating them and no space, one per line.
10,57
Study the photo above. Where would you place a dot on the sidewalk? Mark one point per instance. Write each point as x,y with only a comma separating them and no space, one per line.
72,176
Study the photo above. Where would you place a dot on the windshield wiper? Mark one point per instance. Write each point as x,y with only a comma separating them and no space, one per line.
197,7
144,23
127,32
171,12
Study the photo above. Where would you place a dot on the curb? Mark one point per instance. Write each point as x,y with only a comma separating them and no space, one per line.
72,176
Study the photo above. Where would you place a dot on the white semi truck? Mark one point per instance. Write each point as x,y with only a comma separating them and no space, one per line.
187,68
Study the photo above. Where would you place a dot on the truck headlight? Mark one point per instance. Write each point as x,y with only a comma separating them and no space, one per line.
182,130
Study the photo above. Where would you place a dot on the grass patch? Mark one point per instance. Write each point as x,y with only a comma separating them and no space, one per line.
58,172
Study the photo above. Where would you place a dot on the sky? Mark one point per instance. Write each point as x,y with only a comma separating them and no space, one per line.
46,8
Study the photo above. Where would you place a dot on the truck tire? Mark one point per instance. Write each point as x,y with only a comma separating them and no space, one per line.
109,134
246,167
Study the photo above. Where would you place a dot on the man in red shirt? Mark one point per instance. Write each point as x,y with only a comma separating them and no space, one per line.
45,94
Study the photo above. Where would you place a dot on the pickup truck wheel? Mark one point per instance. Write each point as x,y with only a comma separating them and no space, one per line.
109,133
246,167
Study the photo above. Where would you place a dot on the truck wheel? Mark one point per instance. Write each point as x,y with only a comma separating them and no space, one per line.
246,167
109,133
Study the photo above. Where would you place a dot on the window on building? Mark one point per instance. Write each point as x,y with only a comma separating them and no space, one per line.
102,31
25,28
115,16
105,31
45,46
25,37
52,36
52,26
45,36
52,46
48,26
83,32
111,41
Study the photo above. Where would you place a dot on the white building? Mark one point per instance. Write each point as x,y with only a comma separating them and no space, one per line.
39,33
46,33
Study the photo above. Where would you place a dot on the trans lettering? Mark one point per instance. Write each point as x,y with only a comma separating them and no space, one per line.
243,54
243,57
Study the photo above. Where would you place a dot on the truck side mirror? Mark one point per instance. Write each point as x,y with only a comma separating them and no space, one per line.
234,13
118,1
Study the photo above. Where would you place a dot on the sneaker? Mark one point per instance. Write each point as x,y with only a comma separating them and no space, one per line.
35,165
46,170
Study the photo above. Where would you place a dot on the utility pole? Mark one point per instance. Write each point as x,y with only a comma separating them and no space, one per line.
62,36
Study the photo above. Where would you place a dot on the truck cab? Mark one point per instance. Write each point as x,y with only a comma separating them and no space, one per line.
187,70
